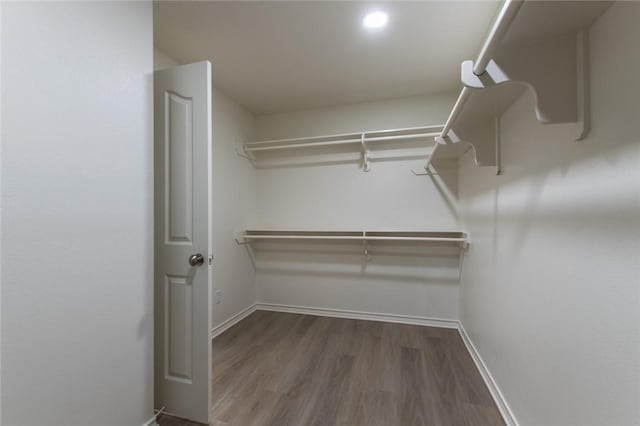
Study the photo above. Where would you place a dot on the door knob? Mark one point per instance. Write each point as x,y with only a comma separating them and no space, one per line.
196,259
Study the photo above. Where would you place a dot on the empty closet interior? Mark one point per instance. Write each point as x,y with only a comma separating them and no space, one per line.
469,166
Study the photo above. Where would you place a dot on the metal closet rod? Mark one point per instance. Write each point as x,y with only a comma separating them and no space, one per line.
498,30
345,138
352,237
436,236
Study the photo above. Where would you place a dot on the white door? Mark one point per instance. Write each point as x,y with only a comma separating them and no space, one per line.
183,242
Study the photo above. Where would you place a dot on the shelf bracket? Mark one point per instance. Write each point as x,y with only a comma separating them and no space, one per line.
555,69
484,138
240,239
427,172
244,154
366,254
432,154
366,154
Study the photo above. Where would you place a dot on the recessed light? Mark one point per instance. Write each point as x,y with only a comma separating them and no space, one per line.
375,20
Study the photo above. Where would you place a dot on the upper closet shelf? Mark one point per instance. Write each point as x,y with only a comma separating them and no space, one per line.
352,142
536,45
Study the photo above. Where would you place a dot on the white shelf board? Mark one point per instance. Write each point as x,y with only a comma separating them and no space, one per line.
455,237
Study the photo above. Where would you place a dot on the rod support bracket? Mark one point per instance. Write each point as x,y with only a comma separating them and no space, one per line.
240,239
365,251
492,76
366,154
244,154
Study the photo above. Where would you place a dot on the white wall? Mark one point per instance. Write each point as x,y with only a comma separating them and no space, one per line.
330,191
77,252
388,114
234,201
234,205
551,285
0,216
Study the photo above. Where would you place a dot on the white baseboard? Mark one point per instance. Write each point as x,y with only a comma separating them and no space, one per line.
227,324
497,395
369,316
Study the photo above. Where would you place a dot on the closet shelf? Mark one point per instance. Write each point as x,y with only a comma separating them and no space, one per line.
358,140
451,237
536,45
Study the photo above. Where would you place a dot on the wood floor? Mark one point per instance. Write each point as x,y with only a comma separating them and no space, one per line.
285,369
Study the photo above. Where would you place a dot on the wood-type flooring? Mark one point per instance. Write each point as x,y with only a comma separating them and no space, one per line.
282,369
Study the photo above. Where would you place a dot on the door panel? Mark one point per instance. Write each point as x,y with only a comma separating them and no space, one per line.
178,329
183,155
178,147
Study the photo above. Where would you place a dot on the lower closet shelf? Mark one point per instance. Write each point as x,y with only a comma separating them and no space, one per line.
441,237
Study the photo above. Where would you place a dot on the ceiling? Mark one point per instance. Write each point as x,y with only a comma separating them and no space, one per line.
282,56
